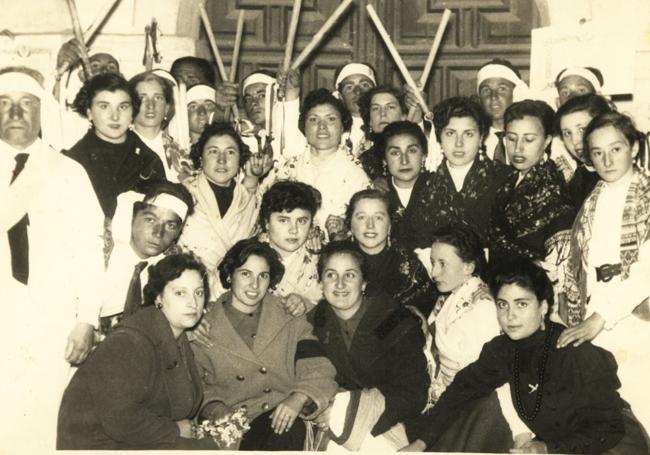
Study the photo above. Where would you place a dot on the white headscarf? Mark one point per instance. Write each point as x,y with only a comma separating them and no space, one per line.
583,73
492,70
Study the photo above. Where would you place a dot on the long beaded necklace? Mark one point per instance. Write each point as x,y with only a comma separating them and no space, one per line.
542,371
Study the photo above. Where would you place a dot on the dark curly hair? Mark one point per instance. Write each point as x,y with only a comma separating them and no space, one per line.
287,196
526,274
396,129
239,254
461,106
593,104
531,108
167,88
319,97
342,247
219,129
368,194
109,82
365,102
168,269
467,243
151,189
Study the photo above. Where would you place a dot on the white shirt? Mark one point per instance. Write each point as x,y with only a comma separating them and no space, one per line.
404,194
157,145
491,142
356,134
458,174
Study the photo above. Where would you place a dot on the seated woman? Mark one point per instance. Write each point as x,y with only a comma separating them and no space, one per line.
379,107
262,358
571,119
140,387
114,157
462,321
286,216
607,275
532,213
463,188
327,165
225,208
567,397
376,347
391,268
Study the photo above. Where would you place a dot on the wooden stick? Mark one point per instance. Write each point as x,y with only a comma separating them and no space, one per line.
76,28
291,37
396,57
236,48
183,138
434,47
318,37
215,51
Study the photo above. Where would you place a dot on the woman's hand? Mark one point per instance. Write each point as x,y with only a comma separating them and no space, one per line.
80,343
201,334
531,447
315,240
414,113
286,412
587,330
288,84
295,305
334,225
416,446
185,428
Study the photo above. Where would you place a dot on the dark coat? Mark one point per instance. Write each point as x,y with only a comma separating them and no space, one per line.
580,409
386,353
582,184
132,390
404,229
116,168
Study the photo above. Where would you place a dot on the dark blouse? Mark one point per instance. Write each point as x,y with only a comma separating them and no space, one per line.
404,229
116,168
386,353
580,409
439,204
581,185
527,214
399,273
132,390
223,195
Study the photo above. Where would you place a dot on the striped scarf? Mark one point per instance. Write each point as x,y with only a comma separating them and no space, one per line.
635,230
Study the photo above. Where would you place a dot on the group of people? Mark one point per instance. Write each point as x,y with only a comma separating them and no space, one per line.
352,272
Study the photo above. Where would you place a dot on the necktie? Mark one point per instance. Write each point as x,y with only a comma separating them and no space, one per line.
500,150
18,241
134,293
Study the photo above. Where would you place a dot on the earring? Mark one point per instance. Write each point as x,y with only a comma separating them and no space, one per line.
158,304
542,326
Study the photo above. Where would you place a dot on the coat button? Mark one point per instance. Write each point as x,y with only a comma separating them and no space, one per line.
240,377
263,370
265,406
267,390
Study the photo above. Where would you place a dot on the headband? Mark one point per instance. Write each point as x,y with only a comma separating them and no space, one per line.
201,92
355,68
583,73
165,75
257,78
498,70
167,201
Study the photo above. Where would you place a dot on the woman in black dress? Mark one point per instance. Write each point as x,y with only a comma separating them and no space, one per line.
567,396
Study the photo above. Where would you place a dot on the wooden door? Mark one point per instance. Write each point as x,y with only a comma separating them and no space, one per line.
478,31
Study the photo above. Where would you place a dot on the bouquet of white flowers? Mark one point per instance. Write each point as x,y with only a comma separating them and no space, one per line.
227,431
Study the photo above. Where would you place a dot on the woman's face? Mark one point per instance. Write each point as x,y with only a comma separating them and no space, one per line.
343,284
249,283
460,140
404,157
519,312
384,109
572,128
448,270
526,142
182,301
370,225
111,114
323,127
153,105
611,153
220,159
198,114
288,231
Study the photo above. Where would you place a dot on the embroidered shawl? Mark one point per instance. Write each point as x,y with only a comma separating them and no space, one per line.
635,230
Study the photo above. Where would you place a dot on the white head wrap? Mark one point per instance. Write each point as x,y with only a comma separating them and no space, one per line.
355,68
123,218
583,73
257,78
201,92
50,112
493,70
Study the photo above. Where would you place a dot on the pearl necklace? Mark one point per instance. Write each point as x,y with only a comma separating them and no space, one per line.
542,370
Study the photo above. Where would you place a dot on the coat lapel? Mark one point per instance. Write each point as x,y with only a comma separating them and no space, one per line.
272,321
224,335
